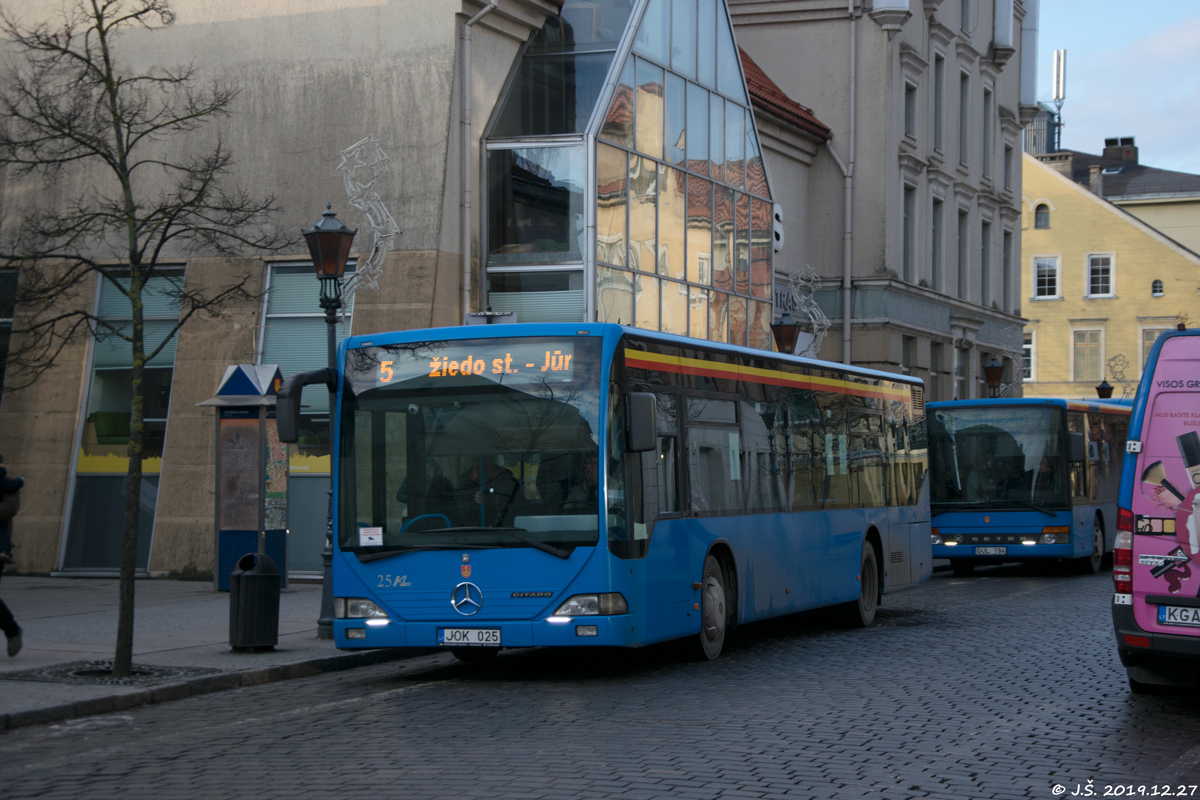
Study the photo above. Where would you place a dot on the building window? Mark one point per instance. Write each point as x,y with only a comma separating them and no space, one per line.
1008,166
908,345
1087,357
985,263
1100,276
962,367
1041,216
964,117
1006,270
962,254
1045,277
1027,366
935,255
987,132
910,110
939,91
8,299
910,195
964,15
935,370
1156,288
1149,337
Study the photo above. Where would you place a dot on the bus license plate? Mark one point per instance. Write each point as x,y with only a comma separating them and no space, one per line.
991,551
468,637
1174,615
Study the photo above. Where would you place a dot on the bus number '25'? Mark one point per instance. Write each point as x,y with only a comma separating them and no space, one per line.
385,371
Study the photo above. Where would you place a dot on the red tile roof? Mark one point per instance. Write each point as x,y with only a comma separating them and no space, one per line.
765,94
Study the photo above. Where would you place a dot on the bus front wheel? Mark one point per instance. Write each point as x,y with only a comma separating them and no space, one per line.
860,613
712,610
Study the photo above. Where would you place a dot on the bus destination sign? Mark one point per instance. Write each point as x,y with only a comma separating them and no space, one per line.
506,362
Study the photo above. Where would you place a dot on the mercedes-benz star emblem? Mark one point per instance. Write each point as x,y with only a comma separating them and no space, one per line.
466,599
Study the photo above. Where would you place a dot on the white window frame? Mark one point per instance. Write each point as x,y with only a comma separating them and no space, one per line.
1033,264
1087,329
1112,274
1143,349
1031,359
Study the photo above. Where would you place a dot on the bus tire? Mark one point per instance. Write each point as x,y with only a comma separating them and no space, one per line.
1090,565
961,567
474,655
713,610
860,613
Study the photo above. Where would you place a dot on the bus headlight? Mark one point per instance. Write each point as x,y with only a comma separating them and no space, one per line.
1056,534
589,605
356,608
937,537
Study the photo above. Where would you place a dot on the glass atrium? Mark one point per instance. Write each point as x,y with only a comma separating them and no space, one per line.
625,182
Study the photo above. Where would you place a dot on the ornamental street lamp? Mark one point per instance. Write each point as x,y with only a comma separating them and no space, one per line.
786,331
993,372
329,243
1104,390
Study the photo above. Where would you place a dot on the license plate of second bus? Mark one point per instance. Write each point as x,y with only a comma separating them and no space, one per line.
469,637
1174,615
991,551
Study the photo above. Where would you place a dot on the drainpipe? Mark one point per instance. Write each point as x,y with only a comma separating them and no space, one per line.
465,160
848,192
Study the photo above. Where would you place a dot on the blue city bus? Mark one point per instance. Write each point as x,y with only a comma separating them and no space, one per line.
1025,479
593,484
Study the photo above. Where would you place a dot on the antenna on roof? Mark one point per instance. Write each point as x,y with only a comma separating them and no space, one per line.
1060,94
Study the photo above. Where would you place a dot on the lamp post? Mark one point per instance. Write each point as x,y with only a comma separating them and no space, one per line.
786,331
329,243
993,372
1104,390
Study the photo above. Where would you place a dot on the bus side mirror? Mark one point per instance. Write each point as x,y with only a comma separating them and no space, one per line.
643,422
287,402
1078,447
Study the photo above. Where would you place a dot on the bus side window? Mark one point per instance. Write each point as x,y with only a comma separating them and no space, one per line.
668,476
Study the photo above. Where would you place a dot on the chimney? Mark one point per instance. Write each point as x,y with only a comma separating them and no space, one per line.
1096,180
1121,148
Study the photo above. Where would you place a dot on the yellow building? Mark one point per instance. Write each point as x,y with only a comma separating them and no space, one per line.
1099,285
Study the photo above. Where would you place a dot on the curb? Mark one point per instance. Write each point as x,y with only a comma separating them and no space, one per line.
198,686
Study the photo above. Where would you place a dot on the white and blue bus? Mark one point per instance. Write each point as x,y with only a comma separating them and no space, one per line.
1025,479
591,484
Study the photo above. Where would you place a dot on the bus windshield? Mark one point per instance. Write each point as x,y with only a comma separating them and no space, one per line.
998,457
470,443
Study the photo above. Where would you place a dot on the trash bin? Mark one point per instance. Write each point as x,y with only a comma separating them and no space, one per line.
254,604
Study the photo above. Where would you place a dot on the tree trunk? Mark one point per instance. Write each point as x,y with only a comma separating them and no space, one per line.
123,658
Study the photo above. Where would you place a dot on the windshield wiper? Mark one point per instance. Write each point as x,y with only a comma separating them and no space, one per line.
1031,506
508,531
366,558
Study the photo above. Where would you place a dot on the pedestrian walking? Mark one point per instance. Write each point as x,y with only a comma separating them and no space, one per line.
10,503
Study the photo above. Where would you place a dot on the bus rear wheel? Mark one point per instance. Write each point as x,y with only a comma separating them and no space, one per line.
1090,565
860,613
474,655
713,614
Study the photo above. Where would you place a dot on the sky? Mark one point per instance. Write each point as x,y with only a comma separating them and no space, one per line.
1133,69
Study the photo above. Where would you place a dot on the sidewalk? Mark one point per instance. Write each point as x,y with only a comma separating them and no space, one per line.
181,629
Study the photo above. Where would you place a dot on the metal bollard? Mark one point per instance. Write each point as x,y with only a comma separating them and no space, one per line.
254,604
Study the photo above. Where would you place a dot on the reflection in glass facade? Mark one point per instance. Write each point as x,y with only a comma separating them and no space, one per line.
683,212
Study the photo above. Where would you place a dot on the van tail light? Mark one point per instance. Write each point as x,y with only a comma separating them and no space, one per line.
1124,520
1137,641
1123,560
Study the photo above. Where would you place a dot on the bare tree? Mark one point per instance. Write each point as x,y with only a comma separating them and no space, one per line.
75,116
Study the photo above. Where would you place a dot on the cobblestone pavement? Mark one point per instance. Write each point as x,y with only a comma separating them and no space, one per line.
1001,685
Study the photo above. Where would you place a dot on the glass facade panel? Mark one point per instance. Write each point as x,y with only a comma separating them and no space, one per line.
672,221
675,308
97,523
699,231
553,94
742,245
718,317
674,132
760,326
583,25
649,120
706,37
612,203
737,320
654,35
697,129
618,122
698,313
729,66
645,292
756,173
535,205
683,37
614,296
762,244
643,213
735,142
716,137
723,238
538,296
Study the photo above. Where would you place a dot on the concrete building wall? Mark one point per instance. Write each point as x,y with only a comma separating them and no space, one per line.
1081,224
